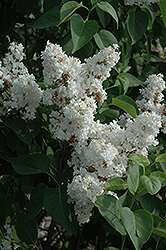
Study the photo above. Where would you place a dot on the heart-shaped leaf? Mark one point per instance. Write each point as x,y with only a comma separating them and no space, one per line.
110,207
82,31
68,9
151,183
139,225
30,164
109,9
105,38
133,178
127,104
115,184
137,23
55,202
140,160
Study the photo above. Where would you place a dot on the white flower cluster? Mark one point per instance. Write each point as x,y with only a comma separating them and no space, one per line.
6,243
100,151
140,2
153,98
19,91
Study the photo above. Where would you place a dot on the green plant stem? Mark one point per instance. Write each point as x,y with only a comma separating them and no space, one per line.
90,12
123,242
54,179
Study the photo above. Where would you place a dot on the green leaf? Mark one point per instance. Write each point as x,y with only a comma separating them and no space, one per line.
129,100
137,23
133,179
112,113
82,32
139,160
31,164
125,83
139,225
151,183
109,9
162,5
48,19
82,53
134,82
104,17
20,128
105,38
159,226
153,204
85,51
68,9
26,230
161,176
49,4
36,201
127,104
115,184
161,158
55,202
110,207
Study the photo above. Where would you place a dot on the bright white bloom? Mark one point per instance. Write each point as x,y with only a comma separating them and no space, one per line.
140,2
73,79
153,98
83,191
19,91
100,150
142,132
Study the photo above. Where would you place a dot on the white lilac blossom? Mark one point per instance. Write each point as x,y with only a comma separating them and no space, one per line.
19,91
74,80
82,192
140,2
100,151
153,98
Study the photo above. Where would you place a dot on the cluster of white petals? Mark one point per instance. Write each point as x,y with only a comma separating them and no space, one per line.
140,2
153,98
19,91
100,151
6,243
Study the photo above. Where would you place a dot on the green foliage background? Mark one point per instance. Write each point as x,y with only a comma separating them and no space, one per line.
33,162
